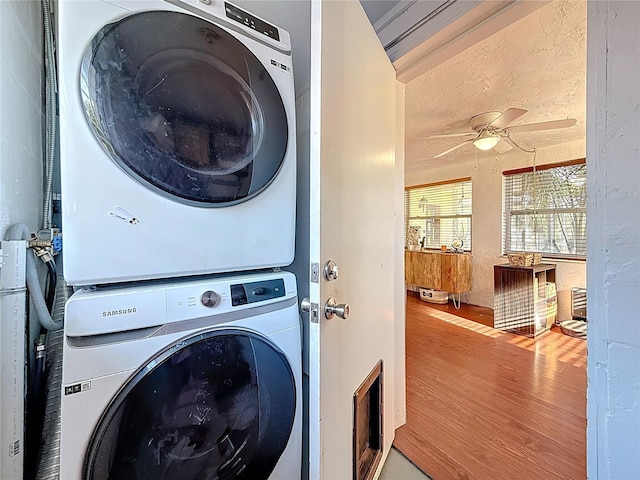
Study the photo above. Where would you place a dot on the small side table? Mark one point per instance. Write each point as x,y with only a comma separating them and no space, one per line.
520,298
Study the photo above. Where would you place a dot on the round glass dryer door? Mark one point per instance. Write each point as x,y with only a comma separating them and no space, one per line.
219,405
184,107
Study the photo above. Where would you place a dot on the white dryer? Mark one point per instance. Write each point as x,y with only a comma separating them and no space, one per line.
178,150
186,381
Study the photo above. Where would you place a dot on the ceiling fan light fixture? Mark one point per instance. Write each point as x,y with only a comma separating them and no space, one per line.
486,141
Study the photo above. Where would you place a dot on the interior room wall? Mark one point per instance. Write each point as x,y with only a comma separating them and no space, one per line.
21,114
21,121
613,189
486,228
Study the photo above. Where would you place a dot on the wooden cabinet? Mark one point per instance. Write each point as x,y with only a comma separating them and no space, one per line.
520,303
450,272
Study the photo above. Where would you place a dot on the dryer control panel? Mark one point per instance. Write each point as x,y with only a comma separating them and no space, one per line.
244,293
248,20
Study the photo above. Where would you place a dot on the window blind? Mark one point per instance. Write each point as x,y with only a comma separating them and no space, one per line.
545,210
439,213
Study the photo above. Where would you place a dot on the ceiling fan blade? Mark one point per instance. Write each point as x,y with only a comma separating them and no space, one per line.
531,127
508,116
452,149
502,146
449,135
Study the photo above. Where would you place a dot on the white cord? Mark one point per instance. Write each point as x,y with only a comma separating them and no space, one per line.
453,298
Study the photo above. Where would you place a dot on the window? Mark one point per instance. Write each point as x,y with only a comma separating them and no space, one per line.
545,210
439,213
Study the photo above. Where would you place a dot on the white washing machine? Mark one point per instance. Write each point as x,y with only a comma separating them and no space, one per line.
178,147
187,381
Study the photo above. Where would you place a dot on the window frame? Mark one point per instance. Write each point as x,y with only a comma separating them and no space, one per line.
436,218
508,213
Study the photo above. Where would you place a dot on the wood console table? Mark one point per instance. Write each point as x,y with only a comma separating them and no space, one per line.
450,272
520,299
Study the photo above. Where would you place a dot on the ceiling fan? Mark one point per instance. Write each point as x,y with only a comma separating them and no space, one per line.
493,130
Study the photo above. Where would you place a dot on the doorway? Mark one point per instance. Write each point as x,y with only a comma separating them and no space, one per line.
472,82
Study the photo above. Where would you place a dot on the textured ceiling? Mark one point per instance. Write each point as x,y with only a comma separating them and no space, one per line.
537,63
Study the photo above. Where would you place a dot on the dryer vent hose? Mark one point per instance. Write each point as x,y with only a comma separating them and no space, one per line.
49,452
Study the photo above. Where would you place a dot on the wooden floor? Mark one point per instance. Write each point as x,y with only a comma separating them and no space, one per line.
483,404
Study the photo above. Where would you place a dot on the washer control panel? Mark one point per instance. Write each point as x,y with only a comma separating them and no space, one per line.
244,293
210,299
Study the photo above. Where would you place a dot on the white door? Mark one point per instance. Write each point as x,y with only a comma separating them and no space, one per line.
352,175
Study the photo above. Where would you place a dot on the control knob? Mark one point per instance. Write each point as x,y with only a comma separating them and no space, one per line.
210,299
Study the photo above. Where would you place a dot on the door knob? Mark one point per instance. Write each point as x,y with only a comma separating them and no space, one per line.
305,304
311,308
332,308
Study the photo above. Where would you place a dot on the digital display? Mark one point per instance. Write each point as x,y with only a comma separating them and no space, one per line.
238,295
241,294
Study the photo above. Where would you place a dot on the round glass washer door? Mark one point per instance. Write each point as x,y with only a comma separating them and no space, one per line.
184,107
219,405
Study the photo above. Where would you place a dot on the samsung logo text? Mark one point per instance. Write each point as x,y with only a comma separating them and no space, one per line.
124,311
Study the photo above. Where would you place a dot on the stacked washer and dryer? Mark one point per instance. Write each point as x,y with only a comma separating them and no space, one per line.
182,352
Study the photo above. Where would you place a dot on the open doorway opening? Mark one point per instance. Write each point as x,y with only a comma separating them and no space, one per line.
506,402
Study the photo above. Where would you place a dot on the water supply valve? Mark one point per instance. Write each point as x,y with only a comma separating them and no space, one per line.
46,243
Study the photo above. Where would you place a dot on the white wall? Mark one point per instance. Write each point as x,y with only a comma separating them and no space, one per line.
486,228
21,121
613,212
21,86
